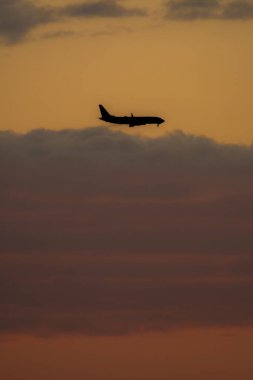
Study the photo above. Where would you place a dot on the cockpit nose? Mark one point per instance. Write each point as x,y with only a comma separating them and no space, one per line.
162,121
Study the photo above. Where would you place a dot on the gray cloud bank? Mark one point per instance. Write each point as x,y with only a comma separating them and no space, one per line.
107,233
19,17
209,9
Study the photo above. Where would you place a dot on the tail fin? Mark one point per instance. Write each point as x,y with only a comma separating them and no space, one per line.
104,113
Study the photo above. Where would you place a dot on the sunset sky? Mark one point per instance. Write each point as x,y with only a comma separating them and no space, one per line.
126,253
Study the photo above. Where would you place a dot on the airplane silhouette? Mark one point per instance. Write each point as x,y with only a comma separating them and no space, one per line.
132,120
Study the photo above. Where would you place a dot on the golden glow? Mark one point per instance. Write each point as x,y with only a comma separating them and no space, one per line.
187,354
195,75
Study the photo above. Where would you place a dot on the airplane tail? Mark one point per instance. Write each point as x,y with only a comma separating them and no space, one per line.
105,114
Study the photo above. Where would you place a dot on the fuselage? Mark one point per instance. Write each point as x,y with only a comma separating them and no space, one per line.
133,120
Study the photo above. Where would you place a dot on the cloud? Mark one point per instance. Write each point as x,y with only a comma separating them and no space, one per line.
105,8
209,9
191,9
59,34
19,17
238,9
108,233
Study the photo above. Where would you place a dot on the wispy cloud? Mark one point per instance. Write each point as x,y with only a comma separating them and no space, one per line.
191,9
107,233
238,10
104,8
19,17
209,9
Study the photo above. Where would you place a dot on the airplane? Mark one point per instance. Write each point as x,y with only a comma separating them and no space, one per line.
132,120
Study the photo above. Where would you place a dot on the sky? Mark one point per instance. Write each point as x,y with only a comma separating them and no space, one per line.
188,61
126,252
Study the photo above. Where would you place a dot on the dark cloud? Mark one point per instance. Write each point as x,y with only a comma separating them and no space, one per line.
239,9
104,8
19,17
108,233
192,9
209,9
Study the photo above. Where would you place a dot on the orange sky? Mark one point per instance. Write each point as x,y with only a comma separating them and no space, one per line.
195,74
126,257
187,354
